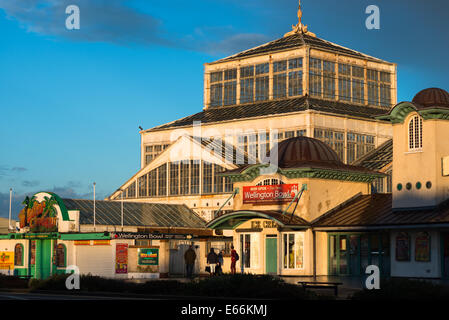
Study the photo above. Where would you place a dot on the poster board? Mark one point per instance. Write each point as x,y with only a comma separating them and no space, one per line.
121,258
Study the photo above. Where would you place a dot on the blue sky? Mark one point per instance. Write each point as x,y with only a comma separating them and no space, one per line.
71,101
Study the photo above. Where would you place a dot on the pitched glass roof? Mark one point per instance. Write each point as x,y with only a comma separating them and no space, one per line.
135,213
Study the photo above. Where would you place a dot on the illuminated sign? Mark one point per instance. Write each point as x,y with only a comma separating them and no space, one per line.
269,194
148,257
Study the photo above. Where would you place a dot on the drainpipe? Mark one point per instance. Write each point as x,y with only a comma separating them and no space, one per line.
314,254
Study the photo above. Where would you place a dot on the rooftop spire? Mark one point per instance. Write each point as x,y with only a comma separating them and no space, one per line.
299,13
299,28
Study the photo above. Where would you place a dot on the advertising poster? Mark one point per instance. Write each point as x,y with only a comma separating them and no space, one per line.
148,257
6,260
121,258
403,247
422,247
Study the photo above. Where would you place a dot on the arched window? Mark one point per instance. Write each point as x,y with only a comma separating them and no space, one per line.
18,255
61,256
415,133
269,182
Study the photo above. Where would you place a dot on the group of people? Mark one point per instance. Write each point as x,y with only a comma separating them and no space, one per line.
214,262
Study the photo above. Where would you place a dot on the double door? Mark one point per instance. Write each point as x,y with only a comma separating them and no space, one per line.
350,254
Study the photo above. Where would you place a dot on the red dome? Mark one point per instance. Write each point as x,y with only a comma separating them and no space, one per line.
432,97
301,150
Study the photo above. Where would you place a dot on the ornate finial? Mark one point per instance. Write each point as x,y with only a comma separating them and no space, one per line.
299,28
299,13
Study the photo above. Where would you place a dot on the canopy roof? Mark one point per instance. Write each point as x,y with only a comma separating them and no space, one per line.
234,219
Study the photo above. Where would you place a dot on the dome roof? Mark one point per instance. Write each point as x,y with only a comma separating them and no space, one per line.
300,150
431,97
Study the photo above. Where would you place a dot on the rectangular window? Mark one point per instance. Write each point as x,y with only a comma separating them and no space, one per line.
293,250
334,139
262,88
344,82
216,95
315,77
230,89
385,89
216,76
218,180
152,183
162,180
185,174
229,186
223,88
249,250
195,177
358,82
143,191
329,79
263,68
207,177
131,190
279,85
373,86
279,79
174,178
295,77
246,90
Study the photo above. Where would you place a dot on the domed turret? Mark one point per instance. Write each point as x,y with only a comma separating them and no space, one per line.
300,150
431,97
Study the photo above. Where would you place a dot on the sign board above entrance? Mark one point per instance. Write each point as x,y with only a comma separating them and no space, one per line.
270,194
151,236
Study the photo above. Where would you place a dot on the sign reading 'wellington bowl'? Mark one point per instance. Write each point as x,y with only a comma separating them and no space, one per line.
270,194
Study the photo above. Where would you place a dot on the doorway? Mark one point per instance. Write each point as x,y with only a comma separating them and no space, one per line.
271,257
351,253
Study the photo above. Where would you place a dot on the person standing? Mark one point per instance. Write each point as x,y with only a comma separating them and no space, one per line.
234,259
220,263
212,260
189,258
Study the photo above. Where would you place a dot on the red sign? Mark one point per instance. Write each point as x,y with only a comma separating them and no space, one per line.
270,194
121,258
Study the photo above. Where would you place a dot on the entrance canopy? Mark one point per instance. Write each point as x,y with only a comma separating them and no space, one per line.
234,219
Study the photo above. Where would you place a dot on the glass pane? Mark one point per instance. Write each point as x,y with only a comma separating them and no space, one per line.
354,265
299,247
285,251
343,255
291,251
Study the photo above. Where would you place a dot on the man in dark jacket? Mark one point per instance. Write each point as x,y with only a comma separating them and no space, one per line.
189,258
212,260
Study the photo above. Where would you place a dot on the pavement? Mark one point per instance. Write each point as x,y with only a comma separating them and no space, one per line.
349,287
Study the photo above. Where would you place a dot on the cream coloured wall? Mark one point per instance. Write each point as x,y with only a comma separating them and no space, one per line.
420,166
412,268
